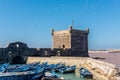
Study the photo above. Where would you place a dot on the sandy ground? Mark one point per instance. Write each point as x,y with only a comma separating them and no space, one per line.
113,58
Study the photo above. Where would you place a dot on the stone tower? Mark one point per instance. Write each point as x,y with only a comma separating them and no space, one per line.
76,40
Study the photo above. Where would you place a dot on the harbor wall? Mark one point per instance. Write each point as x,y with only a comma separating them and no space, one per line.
100,70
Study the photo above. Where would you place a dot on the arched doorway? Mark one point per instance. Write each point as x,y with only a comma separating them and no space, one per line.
18,60
63,46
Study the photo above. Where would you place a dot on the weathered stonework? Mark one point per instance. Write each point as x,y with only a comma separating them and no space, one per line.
76,40
61,39
69,42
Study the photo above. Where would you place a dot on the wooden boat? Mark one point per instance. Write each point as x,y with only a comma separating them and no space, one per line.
57,66
20,72
27,75
50,67
51,76
85,73
67,69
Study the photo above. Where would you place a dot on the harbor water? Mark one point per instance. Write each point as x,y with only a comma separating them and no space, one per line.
73,76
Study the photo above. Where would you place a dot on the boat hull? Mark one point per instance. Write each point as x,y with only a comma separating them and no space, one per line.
17,77
69,71
85,73
48,78
28,75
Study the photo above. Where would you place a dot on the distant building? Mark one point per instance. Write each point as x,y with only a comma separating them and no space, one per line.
69,42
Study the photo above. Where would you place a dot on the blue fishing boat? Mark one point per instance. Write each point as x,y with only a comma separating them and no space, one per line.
51,76
27,75
57,66
20,72
85,73
67,69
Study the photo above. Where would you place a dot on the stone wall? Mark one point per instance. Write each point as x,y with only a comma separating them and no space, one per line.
76,40
61,32
79,32
7,55
79,40
100,70
61,39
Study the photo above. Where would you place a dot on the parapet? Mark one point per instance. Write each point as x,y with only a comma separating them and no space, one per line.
71,31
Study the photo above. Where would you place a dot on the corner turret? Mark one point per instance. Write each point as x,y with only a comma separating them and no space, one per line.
70,28
87,29
52,31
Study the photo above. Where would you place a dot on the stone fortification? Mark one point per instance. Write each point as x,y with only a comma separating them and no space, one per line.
69,42
76,40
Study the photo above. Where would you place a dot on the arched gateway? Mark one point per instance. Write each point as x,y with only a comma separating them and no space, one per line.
18,60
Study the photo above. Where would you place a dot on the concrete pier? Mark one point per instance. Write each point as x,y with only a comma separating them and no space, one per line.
100,70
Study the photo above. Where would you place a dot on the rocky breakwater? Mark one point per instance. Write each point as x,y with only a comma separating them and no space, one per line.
101,70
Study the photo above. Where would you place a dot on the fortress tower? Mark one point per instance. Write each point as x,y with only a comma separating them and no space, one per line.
76,40
71,42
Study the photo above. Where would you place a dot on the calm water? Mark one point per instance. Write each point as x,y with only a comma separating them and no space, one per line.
73,76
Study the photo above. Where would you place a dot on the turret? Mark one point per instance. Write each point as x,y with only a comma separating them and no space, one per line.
52,31
87,29
70,28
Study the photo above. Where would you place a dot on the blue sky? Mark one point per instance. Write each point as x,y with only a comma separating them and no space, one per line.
30,21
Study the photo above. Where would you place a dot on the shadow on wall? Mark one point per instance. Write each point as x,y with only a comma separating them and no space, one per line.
19,60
